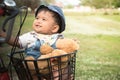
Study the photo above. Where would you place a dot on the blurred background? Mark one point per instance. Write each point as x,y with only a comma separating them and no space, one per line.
80,5
95,24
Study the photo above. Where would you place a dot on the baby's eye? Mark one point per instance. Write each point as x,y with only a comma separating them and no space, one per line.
44,19
36,18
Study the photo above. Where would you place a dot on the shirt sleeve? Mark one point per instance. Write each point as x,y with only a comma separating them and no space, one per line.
26,39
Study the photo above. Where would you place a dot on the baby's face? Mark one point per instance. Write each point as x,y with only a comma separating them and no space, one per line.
44,23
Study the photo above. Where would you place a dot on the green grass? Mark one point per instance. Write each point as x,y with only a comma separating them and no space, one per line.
99,55
112,17
103,22
98,58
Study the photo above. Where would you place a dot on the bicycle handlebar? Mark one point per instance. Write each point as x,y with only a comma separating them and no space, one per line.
8,7
14,13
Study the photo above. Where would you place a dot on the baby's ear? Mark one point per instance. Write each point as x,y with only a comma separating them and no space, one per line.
55,28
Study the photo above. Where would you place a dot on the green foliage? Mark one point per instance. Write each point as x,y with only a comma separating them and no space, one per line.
69,6
49,1
33,4
116,3
101,3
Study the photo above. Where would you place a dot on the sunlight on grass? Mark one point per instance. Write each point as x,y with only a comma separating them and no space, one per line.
96,23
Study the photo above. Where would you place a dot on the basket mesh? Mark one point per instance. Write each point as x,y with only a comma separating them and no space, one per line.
55,68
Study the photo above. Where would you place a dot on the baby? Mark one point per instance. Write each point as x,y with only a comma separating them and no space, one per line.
47,27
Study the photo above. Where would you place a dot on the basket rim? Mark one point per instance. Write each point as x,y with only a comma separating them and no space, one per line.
17,52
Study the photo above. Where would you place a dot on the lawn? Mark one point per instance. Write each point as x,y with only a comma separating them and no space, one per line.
99,55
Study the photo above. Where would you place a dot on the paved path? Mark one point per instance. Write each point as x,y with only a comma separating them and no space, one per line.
87,26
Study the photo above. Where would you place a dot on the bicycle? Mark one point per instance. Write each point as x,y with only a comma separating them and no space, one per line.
8,13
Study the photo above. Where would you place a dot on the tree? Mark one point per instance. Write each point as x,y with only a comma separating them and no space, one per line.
116,3
33,4
50,1
101,3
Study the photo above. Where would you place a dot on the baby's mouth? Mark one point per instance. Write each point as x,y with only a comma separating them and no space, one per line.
38,26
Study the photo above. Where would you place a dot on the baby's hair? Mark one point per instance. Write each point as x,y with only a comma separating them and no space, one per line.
55,16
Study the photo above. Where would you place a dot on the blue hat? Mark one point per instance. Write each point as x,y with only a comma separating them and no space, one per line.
57,10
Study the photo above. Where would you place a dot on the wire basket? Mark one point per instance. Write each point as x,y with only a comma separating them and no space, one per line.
55,69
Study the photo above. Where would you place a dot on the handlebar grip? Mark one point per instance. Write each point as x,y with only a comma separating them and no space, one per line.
13,14
11,19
